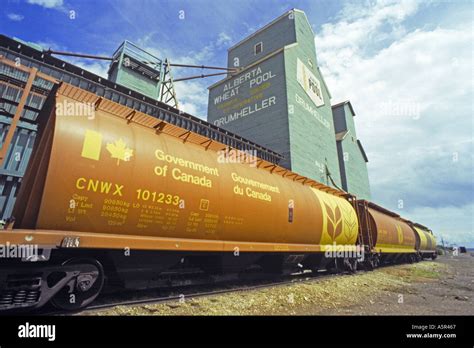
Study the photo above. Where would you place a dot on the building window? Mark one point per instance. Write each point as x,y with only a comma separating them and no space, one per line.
258,48
310,63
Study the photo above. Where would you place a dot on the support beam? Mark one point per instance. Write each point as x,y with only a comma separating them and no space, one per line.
159,127
186,136
16,117
130,116
97,103
208,143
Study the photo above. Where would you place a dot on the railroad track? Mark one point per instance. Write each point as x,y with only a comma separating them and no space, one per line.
218,288
185,294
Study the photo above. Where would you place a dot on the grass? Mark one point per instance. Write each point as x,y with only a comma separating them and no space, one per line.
431,271
319,296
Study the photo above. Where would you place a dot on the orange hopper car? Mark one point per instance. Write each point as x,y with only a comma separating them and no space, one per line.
114,198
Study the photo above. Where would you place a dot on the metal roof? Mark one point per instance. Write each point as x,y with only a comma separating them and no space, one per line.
342,104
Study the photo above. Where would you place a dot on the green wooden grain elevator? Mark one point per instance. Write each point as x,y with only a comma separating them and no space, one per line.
279,98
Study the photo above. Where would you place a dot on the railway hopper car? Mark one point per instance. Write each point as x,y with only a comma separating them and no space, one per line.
427,245
114,196
390,238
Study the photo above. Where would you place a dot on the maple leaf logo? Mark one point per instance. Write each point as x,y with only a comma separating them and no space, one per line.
119,150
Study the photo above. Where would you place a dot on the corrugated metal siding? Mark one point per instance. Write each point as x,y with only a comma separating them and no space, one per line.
19,152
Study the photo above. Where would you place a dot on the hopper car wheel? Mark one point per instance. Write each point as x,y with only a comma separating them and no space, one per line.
368,264
374,262
350,265
83,289
333,266
355,265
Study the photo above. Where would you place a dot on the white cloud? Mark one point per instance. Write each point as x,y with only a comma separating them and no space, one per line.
199,57
96,67
448,223
192,97
47,3
412,92
358,25
223,40
48,44
15,17
188,108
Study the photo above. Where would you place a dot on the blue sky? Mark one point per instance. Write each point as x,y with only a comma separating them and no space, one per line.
406,66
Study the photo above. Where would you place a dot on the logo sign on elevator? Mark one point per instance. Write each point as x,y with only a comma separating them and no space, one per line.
310,83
